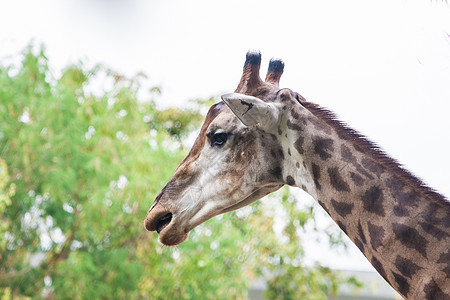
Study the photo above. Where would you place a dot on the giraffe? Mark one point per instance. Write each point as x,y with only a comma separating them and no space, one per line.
261,137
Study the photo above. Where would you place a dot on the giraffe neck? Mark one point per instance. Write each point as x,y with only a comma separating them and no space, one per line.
401,226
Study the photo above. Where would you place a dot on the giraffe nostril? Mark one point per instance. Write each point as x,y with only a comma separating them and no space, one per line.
163,222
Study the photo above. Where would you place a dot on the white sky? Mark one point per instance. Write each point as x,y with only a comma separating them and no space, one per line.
383,66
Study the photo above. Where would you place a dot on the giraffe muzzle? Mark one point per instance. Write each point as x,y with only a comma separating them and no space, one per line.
165,223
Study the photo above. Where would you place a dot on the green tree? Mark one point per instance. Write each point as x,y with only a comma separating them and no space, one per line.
84,165
5,201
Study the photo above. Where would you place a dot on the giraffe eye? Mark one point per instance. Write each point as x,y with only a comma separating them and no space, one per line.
217,139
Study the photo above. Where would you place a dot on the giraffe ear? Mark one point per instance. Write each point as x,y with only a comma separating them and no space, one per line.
253,111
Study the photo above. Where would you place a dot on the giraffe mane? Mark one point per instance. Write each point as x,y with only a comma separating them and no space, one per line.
362,144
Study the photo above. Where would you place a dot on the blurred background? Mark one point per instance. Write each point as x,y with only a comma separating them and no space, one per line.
101,100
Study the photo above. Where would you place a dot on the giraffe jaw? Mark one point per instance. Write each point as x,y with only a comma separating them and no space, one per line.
173,228
265,190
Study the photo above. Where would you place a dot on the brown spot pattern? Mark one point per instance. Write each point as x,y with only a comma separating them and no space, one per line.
322,146
410,238
336,180
400,211
359,245
407,199
406,266
319,124
358,180
281,154
379,267
293,126
290,180
298,144
373,201
342,208
395,184
361,233
376,234
324,206
434,292
431,215
342,226
272,153
445,259
372,166
402,283
276,172
316,176
347,156
295,115
434,231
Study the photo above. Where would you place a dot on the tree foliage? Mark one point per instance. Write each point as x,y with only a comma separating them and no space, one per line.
78,172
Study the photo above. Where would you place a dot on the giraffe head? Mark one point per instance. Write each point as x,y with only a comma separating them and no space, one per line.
231,163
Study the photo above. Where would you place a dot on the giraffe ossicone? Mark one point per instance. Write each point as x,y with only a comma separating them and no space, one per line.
261,137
